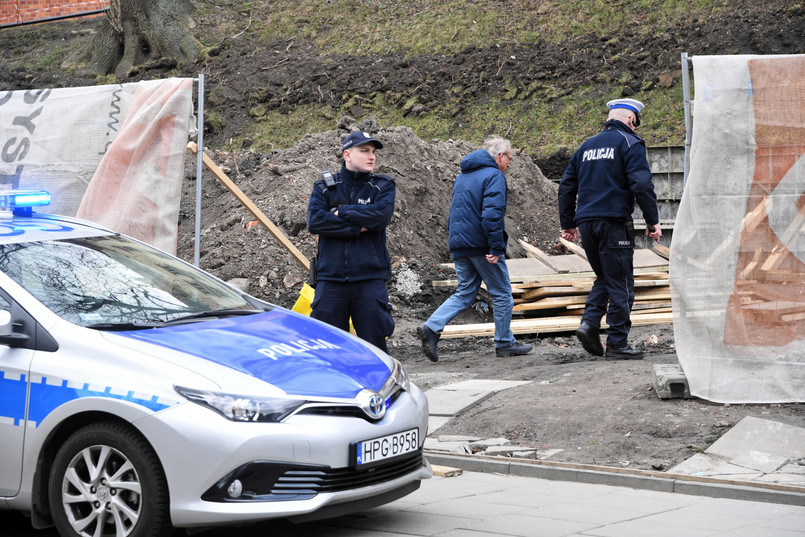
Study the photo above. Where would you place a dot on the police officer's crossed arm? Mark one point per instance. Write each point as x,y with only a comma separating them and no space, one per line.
374,216
322,220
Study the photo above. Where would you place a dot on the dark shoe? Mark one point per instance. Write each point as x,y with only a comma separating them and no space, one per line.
624,353
515,349
590,339
429,340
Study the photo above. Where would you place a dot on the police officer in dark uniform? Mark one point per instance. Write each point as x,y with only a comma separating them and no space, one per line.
350,211
597,194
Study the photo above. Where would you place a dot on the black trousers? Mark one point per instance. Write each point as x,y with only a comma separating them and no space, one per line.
611,255
365,302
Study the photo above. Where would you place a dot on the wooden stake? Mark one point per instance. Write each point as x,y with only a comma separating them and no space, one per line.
251,207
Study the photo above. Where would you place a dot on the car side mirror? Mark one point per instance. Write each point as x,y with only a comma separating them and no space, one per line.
7,335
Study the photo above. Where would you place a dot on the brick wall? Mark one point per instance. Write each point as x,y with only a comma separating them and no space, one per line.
18,11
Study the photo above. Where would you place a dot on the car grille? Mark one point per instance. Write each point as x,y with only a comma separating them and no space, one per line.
265,481
347,411
319,480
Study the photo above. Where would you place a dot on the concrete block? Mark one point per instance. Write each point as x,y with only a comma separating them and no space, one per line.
770,437
444,402
670,382
450,447
760,461
491,442
500,451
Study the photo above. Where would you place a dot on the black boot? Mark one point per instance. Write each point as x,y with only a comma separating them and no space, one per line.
590,339
624,353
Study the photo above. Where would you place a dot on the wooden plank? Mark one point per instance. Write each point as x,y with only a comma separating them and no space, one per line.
773,260
555,279
660,250
569,279
645,258
549,291
560,263
251,207
545,325
551,302
754,217
643,305
770,293
650,283
528,268
652,275
780,307
667,309
533,251
751,267
446,471
785,277
575,248
660,293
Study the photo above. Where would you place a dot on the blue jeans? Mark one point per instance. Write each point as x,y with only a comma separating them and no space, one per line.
470,271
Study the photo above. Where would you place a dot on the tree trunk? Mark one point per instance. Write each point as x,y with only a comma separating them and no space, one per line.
138,31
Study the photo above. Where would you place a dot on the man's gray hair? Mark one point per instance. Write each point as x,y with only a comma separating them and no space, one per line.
496,145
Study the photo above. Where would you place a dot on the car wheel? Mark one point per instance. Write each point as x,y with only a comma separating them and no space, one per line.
106,480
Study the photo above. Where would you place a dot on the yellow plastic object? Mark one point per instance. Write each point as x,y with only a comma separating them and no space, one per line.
304,301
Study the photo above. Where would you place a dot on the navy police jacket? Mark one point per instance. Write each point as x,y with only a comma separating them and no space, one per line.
477,211
607,173
363,200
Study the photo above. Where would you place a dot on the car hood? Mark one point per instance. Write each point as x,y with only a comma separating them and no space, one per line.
294,353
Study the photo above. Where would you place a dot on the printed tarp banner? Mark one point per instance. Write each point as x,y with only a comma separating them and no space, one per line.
737,267
112,154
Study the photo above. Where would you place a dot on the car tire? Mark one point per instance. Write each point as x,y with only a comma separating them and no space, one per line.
106,480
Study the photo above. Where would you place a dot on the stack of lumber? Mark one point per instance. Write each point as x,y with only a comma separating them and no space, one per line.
550,292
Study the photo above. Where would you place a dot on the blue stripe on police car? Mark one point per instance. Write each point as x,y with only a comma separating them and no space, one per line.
49,394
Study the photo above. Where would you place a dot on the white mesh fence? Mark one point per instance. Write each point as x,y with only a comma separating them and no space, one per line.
737,267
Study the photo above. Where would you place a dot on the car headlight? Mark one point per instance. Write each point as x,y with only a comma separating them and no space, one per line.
242,407
400,376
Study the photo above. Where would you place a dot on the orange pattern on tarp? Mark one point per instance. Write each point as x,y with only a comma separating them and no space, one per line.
767,305
139,179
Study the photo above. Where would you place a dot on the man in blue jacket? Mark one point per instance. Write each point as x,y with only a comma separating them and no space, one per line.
607,173
477,241
350,212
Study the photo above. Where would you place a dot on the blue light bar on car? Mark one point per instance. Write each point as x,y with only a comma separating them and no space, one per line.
21,202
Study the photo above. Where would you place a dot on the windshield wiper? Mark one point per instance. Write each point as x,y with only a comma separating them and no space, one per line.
125,326
212,314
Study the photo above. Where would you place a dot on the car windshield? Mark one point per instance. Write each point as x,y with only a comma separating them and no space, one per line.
110,280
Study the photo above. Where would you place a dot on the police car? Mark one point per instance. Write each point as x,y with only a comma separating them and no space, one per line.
139,393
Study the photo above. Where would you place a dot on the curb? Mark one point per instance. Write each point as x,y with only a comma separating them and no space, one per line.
637,479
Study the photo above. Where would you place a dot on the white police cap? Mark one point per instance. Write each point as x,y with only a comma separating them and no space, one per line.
629,104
